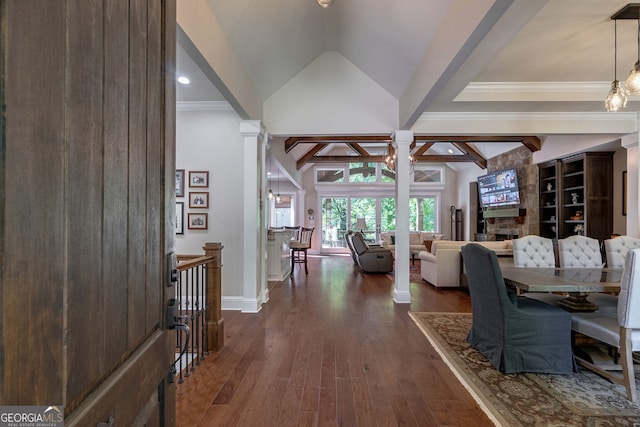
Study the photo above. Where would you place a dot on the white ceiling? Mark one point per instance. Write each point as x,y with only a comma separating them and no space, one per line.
537,56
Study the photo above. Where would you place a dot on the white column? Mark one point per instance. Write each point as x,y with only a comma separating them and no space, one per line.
263,212
630,143
402,139
252,133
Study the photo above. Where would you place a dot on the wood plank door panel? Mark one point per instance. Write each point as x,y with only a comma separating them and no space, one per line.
88,164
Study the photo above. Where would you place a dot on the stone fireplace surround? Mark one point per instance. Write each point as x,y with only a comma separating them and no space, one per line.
505,228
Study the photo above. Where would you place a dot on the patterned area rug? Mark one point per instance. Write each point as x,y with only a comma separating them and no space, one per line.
414,273
581,399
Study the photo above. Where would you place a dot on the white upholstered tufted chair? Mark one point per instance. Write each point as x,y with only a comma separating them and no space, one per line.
584,252
533,251
579,252
620,329
616,250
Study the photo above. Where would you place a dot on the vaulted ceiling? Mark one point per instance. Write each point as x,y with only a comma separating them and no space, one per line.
551,57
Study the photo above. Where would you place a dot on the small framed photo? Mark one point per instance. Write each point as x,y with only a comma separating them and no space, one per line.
179,217
198,199
199,179
197,221
179,182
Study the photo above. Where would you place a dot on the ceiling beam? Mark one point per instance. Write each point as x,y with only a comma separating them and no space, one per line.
308,155
464,143
291,142
358,148
380,159
470,150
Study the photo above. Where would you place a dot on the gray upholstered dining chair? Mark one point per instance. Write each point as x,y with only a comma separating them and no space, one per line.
620,330
515,333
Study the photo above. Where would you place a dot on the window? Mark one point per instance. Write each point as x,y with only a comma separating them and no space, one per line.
283,212
428,175
362,172
329,174
422,213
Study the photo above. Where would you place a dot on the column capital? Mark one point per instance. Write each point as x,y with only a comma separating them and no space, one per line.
402,136
251,128
629,141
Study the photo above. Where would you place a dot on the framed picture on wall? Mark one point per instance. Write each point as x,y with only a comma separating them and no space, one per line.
199,179
179,217
179,182
197,221
198,199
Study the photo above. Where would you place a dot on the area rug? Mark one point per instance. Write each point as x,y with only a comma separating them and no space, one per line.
414,273
581,399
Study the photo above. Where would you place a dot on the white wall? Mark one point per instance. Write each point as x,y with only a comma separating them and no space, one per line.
209,140
331,96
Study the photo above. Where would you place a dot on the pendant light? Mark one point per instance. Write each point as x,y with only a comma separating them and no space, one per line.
278,198
616,99
270,193
632,85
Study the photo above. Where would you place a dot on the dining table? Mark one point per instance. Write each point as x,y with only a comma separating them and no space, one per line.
576,283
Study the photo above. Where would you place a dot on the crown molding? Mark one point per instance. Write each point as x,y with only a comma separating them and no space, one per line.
534,91
203,106
529,123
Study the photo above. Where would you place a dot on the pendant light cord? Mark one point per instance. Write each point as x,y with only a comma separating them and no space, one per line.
615,49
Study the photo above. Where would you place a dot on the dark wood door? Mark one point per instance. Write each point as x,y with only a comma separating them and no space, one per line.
86,206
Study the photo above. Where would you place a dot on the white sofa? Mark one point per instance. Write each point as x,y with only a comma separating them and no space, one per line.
442,267
416,240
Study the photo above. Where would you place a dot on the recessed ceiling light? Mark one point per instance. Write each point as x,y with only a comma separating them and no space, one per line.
450,151
184,80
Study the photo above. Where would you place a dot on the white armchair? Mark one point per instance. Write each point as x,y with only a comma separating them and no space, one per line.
616,250
620,329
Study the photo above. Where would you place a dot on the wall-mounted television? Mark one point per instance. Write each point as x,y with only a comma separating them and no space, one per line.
499,189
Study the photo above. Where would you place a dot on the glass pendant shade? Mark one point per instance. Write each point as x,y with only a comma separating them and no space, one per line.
325,3
278,198
270,194
632,85
616,99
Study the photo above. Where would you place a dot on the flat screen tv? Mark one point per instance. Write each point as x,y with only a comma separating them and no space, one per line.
499,189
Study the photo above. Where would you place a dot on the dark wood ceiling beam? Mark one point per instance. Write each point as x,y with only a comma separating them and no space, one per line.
346,159
358,142
379,159
531,142
471,151
358,148
441,158
423,149
291,142
308,155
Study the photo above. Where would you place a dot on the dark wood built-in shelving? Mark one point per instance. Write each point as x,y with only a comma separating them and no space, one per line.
587,178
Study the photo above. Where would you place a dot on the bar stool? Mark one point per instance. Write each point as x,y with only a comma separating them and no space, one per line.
299,248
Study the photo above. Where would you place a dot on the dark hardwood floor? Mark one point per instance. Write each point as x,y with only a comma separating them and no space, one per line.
330,349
